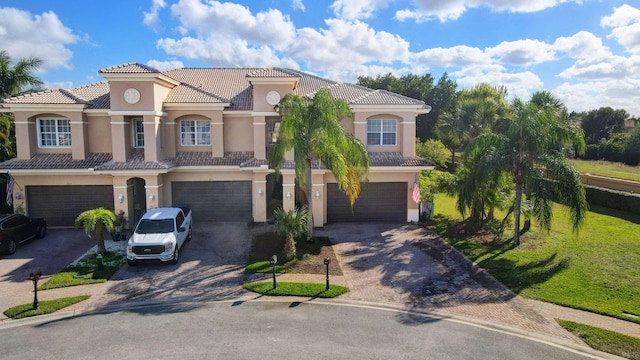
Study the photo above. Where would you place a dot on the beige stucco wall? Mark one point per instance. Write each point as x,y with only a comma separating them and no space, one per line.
405,130
238,134
99,134
260,92
147,98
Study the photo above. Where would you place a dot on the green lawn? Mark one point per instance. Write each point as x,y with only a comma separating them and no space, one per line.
597,270
296,289
86,272
46,307
605,340
609,169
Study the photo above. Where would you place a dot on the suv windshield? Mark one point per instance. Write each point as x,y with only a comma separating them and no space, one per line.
155,226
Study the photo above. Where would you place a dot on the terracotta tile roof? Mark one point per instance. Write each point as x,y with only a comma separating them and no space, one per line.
136,162
192,158
130,68
57,161
395,158
95,96
215,85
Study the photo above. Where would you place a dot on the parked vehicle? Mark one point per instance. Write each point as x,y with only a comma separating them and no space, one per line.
16,229
160,235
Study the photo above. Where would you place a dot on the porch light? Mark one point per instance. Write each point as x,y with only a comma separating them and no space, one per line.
317,194
18,195
120,198
288,195
152,197
260,192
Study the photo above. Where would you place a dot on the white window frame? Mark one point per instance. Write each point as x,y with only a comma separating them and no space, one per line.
134,133
57,133
197,132
384,129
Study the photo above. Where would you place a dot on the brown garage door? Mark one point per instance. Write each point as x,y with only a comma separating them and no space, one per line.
60,205
385,202
214,200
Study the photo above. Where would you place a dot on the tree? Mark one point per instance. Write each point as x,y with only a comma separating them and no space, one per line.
312,129
528,146
434,151
97,220
291,224
603,123
441,97
14,81
632,148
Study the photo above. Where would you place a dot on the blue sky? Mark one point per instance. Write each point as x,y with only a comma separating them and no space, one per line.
587,52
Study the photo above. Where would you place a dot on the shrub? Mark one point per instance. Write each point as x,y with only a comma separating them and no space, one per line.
613,199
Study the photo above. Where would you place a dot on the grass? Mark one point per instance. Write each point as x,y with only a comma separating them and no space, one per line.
296,289
309,260
596,270
46,307
85,272
605,340
608,169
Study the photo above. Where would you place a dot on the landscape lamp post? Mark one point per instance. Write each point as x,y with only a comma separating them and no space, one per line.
327,260
274,260
35,276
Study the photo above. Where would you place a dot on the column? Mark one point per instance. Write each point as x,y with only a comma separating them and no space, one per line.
118,138
259,136
288,190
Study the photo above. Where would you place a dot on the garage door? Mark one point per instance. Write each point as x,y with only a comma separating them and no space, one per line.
214,200
60,205
377,202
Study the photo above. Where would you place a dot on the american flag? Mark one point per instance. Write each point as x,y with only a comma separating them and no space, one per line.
416,190
10,183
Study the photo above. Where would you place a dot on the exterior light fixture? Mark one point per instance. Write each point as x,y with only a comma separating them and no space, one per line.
288,195
260,192
18,195
120,198
151,197
317,194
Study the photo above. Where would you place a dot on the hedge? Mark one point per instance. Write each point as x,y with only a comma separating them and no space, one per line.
613,199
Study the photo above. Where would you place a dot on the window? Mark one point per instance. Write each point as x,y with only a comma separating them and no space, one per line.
54,132
195,132
381,132
138,133
274,132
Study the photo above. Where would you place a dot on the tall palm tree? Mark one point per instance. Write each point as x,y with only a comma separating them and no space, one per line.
528,147
97,220
312,129
291,224
14,81
18,79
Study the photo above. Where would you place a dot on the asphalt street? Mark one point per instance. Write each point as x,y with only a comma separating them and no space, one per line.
264,330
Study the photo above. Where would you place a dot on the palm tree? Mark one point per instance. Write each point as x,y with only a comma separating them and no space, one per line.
18,79
97,220
312,129
291,224
528,147
14,81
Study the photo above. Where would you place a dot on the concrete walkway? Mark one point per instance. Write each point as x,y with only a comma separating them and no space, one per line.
402,266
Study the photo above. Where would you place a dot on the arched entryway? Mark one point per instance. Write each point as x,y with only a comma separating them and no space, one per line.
274,194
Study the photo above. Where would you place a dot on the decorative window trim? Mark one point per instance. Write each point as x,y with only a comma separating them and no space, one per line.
198,134
137,137
379,132
57,132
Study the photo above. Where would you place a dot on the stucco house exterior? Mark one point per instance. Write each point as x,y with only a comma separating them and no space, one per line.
200,137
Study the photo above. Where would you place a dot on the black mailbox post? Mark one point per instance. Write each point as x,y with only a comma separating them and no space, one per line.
327,261
35,276
274,260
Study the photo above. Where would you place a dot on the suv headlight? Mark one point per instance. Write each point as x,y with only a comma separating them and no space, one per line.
168,246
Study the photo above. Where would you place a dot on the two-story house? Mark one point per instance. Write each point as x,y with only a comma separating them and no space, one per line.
200,137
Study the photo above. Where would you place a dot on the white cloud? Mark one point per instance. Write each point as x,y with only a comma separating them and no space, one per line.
236,22
297,5
165,65
151,18
625,22
456,56
44,36
619,94
521,84
444,10
522,52
57,85
612,67
357,9
582,45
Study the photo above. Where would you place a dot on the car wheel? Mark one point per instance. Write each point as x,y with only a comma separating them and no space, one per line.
11,248
132,262
41,232
190,235
174,259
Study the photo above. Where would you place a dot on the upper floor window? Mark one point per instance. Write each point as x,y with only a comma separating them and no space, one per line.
54,133
381,132
138,133
195,132
273,132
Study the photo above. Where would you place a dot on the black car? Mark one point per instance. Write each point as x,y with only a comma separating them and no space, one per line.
16,229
